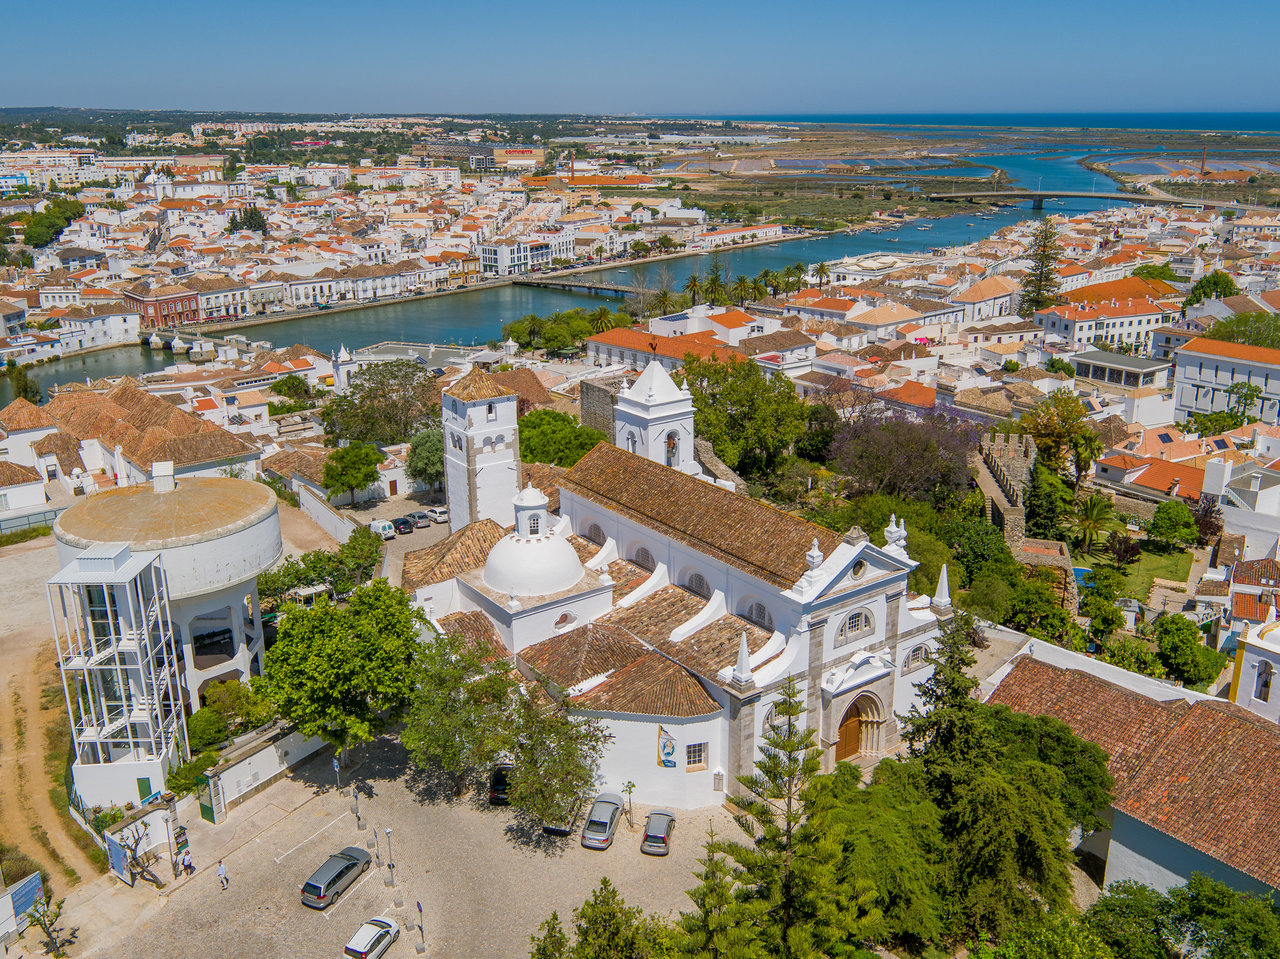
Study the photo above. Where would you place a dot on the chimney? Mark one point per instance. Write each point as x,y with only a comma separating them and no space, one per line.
162,477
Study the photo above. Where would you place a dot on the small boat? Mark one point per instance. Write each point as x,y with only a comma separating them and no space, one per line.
893,239
970,224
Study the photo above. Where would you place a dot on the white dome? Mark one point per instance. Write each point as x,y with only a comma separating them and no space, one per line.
533,566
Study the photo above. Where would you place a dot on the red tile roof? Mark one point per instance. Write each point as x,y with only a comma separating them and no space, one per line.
1204,346
911,393
652,685
703,345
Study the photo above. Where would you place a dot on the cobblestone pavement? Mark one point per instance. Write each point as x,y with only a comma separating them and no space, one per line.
485,879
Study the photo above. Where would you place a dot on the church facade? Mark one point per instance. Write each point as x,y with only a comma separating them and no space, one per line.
675,609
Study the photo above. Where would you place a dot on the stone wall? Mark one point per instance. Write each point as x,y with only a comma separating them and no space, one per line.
1141,508
596,400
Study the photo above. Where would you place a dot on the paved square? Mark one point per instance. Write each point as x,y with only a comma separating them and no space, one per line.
485,880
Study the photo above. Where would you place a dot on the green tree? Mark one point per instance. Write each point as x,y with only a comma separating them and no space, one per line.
426,457
693,288
1157,271
605,927
351,468
740,290
1242,397
1133,654
790,862
822,273
1216,285
724,923
1047,500
206,727
22,385
1133,920
242,706
385,403
346,674
1251,329
551,942
1040,285
749,419
1055,936
1054,423
1222,923
1094,517
1173,525
1086,448
47,915
549,436
293,386
555,756
1183,653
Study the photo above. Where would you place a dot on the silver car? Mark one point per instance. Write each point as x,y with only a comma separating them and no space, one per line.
338,872
657,833
602,821
373,938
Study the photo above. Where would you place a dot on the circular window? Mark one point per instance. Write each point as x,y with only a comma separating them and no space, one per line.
859,568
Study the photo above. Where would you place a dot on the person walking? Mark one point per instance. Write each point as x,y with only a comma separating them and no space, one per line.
222,875
188,867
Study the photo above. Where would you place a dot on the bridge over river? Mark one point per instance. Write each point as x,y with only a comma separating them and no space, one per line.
583,283
1037,198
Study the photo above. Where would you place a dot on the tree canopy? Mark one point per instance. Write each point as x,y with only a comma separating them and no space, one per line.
1215,285
1173,525
749,419
917,458
385,403
1040,285
549,436
426,457
1251,329
351,468
346,673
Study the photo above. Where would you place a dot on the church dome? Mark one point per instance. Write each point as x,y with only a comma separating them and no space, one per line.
532,565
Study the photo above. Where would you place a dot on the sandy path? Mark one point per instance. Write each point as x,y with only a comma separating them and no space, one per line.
26,663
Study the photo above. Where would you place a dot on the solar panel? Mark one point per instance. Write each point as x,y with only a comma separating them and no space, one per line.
1164,437
1220,444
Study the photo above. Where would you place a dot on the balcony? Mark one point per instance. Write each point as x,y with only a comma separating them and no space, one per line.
212,649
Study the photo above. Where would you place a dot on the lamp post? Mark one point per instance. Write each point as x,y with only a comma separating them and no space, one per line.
337,774
355,806
168,836
391,863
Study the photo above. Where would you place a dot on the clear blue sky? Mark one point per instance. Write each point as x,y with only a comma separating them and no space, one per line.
655,56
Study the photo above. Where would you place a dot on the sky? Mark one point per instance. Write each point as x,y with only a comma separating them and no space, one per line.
697,57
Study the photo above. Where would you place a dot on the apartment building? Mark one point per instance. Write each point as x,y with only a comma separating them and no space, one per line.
1207,369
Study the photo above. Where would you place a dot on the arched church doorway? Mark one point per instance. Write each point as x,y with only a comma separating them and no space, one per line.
861,728
850,742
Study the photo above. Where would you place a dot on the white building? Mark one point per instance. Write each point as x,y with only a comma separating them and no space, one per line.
481,450
83,328
1254,681
1207,369
1113,322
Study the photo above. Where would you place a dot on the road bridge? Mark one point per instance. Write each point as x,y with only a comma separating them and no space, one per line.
579,284
1037,198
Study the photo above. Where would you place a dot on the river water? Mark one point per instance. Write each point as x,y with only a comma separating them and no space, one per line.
476,317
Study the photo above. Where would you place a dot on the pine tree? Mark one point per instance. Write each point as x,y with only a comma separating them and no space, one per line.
1040,287
723,925
789,869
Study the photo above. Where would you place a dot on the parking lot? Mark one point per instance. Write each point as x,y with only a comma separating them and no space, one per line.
484,879
391,508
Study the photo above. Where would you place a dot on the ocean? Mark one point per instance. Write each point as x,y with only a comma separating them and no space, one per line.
1200,122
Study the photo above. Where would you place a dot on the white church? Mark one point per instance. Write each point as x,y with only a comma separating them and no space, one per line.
662,602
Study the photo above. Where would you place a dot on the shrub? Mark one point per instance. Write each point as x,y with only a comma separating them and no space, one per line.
182,779
206,727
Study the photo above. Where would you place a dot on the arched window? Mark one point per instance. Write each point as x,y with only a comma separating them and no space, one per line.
492,412
1262,689
855,625
699,586
534,524
595,534
644,559
914,659
454,404
631,442
759,614
673,449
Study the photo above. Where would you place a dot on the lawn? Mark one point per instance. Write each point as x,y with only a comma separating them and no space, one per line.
1151,566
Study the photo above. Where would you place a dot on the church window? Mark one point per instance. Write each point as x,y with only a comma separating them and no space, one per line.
454,405
699,586
644,559
759,614
855,625
673,449
534,524
595,534
859,568
1262,692
914,659
491,413
695,756
456,439
631,442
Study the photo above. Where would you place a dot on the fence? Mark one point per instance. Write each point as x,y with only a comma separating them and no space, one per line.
44,517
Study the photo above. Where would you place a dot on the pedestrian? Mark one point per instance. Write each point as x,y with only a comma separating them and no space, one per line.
222,874
188,867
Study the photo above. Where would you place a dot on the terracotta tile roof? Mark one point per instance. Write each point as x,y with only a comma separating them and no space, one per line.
522,382
466,549
1126,288
1202,772
476,628
714,646
1202,345
1249,606
778,342
1161,475
24,415
991,288
655,616
758,539
15,474
584,547
64,447
1256,572
911,393
579,654
546,477
652,685
309,464
703,345
627,578
478,385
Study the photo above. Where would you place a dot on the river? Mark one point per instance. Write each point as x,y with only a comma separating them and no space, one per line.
477,317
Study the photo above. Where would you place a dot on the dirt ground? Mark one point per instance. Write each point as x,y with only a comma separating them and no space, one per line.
27,663
300,532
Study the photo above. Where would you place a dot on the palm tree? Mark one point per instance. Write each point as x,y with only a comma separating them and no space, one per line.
801,271
823,273
535,325
740,290
713,289
773,280
663,301
758,289
1086,447
791,277
1093,517
601,319
693,286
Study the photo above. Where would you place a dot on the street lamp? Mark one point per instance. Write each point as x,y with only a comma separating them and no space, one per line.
355,807
391,863
168,835
336,773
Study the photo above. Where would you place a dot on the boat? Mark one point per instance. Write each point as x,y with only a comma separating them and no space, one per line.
893,239
924,228
970,224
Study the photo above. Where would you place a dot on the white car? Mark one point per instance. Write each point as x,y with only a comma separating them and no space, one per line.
438,514
373,938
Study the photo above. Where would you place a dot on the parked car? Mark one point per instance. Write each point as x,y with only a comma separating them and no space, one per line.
438,514
419,518
658,828
383,529
338,872
602,821
564,825
402,525
499,784
373,938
